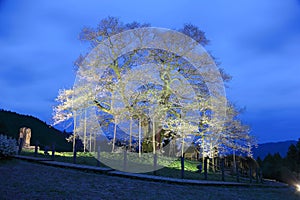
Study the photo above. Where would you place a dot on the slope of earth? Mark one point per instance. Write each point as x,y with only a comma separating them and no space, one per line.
11,122
25,180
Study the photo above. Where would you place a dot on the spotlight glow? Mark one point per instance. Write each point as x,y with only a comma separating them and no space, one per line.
298,187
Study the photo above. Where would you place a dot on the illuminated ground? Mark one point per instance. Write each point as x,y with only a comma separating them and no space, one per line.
25,180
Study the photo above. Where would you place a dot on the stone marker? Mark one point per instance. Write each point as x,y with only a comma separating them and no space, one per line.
25,133
25,136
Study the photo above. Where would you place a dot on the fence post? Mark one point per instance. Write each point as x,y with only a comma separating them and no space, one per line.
53,151
74,151
182,166
36,148
237,171
205,168
20,145
98,156
256,174
222,168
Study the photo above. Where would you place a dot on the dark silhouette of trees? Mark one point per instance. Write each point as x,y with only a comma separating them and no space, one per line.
292,158
285,169
46,135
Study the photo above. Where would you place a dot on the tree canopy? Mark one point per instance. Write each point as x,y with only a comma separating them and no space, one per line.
154,92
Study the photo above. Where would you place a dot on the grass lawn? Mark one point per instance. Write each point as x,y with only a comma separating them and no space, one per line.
170,170
26,180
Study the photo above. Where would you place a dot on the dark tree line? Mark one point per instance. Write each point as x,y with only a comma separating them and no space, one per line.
286,169
44,134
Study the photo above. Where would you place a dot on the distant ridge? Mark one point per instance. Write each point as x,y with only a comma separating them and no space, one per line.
11,122
272,147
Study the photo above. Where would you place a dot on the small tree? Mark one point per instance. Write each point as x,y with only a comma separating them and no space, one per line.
8,146
292,158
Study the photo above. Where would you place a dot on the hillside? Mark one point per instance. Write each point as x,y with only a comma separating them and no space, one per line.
11,122
272,148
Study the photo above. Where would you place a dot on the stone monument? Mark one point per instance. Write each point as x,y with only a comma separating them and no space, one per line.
24,136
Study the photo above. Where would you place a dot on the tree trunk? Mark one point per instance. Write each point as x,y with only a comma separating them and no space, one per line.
74,134
205,167
84,132
237,173
223,169
182,147
234,162
90,141
202,146
115,134
212,157
95,142
213,163
153,136
182,165
130,134
140,137
98,156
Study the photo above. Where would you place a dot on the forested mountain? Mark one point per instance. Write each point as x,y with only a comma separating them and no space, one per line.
271,148
11,122
46,135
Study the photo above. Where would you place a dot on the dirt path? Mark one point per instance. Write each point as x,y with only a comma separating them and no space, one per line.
25,180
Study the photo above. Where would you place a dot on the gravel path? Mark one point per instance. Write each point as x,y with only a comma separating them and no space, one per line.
25,180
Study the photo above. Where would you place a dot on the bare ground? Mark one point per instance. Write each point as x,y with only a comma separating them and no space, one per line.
25,180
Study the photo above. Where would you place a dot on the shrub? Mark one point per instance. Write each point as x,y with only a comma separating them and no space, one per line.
8,146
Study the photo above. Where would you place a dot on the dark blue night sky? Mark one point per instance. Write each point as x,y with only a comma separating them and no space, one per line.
257,42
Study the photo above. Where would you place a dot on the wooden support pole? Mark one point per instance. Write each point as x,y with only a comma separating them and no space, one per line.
223,168
237,172
74,150
205,168
98,156
20,145
182,166
53,151
36,148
